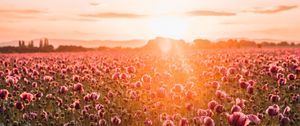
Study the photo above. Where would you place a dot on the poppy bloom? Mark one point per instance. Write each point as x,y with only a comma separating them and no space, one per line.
273,110
34,84
131,69
168,123
29,116
219,108
281,82
250,89
115,76
78,87
19,105
297,70
221,94
243,84
254,119
63,89
208,121
286,110
284,121
183,122
240,102
39,95
102,122
75,78
236,108
189,106
146,78
201,112
252,82
4,94
91,96
190,94
148,122
274,98
273,69
115,120
212,104
123,76
138,84
47,78
238,119
231,71
178,88
26,96
215,84
76,104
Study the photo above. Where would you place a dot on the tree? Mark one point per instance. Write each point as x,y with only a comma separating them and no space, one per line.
41,44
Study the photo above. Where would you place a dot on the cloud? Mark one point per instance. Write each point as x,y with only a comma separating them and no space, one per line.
210,13
112,15
20,11
94,4
273,10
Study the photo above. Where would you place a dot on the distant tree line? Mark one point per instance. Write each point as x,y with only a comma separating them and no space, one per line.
234,43
153,44
22,48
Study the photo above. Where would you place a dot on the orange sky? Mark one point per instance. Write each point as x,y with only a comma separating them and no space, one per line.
146,19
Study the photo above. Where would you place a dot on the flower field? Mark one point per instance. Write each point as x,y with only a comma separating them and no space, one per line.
237,87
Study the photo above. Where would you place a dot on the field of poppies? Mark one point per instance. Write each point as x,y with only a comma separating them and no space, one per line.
237,87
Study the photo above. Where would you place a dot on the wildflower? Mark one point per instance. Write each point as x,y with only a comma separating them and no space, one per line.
236,108
284,121
220,94
281,82
26,96
146,78
219,108
238,119
240,102
19,105
183,122
4,94
208,121
115,120
178,88
212,104
190,94
250,89
273,110
138,84
148,122
78,87
273,69
254,119
29,116
274,98
168,123
115,76
291,76
131,69
102,122
63,89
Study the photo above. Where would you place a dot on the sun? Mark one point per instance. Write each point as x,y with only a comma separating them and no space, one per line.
168,26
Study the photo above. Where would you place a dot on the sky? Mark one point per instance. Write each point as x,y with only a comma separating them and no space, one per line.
147,19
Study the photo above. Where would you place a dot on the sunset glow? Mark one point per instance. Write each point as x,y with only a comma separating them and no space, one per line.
149,62
174,27
133,19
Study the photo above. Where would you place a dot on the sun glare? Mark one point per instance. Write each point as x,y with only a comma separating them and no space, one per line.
168,26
